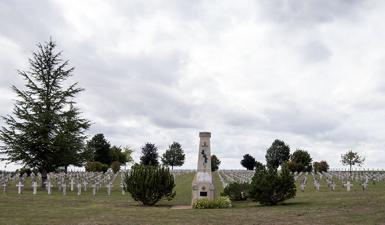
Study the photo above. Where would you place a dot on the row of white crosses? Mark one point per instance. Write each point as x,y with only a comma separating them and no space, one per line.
240,176
79,180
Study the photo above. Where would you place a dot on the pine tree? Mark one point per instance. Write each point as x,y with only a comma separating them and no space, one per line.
173,156
149,155
45,130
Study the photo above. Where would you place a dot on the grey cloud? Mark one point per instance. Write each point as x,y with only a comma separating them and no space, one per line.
308,12
315,51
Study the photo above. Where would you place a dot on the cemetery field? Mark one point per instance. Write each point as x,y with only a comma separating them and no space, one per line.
308,207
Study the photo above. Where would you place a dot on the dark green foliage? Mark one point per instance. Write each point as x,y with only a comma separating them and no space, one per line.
149,155
259,166
300,161
277,154
248,162
99,149
268,187
149,184
321,166
174,156
96,167
215,162
45,131
115,166
237,191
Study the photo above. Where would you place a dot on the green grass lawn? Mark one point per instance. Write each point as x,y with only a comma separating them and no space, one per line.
309,207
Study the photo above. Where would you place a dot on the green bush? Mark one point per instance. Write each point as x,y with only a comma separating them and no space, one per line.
237,191
268,187
222,202
115,166
148,184
96,167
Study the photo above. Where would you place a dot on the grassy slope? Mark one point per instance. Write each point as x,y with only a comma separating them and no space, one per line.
310,207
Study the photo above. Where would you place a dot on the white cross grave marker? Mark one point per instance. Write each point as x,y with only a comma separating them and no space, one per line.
79,188
64,187
4,187
72,184
122,187
109,187
49,186
348,185
34,187
19,186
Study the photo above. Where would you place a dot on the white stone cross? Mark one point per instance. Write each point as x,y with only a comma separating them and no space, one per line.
333,186
49,186
72,184
85,185
94,189
79,188
348,185
34,187
64,187
364,186
122,187
109,187
4,187
303,187
317,186
19,187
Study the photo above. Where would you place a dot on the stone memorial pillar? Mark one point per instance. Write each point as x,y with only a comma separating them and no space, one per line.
203,185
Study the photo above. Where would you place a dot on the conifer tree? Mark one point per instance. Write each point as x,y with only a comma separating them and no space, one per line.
45,130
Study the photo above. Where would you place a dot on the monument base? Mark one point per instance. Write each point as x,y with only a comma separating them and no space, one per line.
203,186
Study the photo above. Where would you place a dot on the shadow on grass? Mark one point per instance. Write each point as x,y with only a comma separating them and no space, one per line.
286,204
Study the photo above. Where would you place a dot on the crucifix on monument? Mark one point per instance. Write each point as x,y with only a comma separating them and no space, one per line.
203,186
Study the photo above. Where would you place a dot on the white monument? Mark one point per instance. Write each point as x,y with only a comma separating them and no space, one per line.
203,185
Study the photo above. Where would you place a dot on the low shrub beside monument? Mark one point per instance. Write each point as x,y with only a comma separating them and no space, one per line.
149,184
204,203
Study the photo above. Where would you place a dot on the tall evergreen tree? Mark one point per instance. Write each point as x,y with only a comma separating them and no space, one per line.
149,155
45,130
174,155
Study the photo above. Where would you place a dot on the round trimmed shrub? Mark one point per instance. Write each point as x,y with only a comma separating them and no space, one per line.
268,187
149,184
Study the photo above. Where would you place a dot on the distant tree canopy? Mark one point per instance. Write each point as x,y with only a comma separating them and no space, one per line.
277,154
100,150
173,156
352,158
215,162
149,155
321,166
300,161
46,130
248,162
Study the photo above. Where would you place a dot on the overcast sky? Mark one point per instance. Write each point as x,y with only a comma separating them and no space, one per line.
311,73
